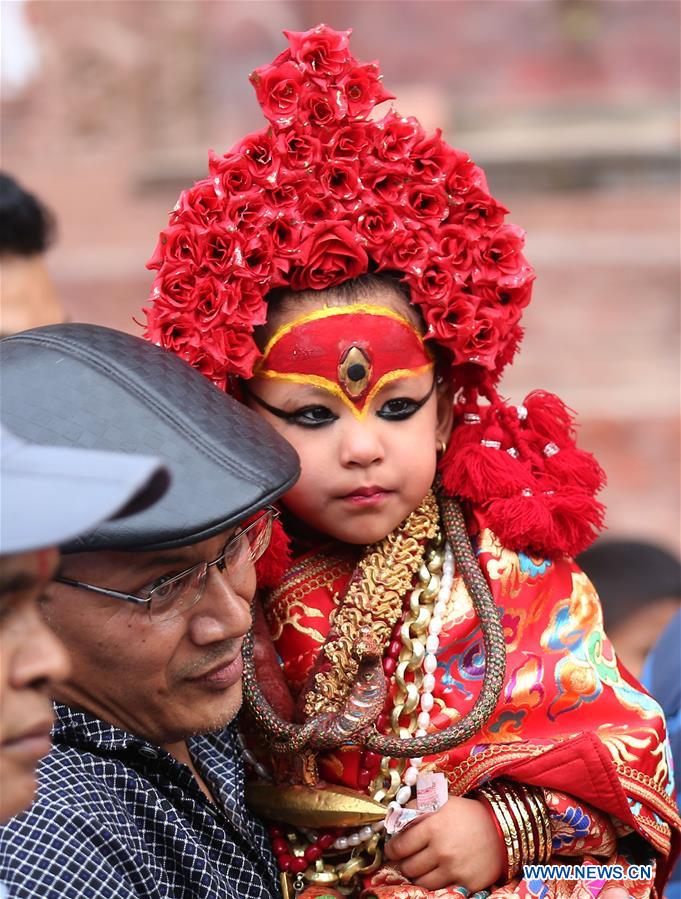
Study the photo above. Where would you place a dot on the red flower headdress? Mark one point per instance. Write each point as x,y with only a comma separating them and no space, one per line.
325,194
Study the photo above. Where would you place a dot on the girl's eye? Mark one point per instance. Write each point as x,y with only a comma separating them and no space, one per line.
399,409
312,417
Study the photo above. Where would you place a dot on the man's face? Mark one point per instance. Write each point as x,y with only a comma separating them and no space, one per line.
31,661
163,680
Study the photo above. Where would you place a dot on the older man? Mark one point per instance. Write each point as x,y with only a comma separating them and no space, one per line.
142,794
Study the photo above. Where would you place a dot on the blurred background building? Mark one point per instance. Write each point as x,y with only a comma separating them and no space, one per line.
572,106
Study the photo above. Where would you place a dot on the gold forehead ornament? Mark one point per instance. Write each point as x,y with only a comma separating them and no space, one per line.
354,372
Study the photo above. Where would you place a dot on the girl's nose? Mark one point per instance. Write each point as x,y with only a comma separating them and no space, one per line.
361,445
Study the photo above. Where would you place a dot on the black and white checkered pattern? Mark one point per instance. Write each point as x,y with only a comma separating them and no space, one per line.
116,817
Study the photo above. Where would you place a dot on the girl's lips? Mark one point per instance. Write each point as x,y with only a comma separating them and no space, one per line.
367,496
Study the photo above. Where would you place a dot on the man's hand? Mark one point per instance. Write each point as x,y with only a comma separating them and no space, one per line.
457,845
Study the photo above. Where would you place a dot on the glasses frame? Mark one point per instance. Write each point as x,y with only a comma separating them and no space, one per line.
269,514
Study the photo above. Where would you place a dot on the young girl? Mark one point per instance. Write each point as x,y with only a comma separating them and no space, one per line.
429,618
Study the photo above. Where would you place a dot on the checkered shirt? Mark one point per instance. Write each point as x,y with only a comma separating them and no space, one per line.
116,817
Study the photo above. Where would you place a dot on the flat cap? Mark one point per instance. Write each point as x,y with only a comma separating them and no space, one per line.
95,388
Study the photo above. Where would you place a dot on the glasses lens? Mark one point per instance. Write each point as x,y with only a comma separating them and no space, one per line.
177,594
247,547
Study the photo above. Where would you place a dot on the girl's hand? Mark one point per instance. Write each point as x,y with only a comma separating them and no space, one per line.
458,844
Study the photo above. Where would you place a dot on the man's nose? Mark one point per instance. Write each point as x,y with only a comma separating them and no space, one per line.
224,609
361,445
41,658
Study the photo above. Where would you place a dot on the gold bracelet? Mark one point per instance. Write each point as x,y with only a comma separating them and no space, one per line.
536,798
508,828
524,823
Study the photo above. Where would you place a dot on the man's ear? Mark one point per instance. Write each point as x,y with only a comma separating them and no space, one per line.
445,411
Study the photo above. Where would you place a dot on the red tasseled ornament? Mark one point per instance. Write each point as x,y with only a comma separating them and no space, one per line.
276,560
477,466
521,522
572,467
577,519
549,418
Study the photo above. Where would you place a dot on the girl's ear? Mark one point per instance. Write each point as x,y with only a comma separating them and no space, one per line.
445,411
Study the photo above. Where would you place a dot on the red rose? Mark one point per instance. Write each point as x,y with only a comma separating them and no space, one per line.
507,300
285,232
459,251
395,135
483,343
258,149
377,224
501,254
328,256
248,212
322,52
200,205
386,184
429,157
244,305
236,350
435,283
349,143
461,173
257,256
180,243
340,179
427,202
299,150
363,90
316,207
232,174
407,251
321,109
477,211
173,286
277,88
223,249
448,321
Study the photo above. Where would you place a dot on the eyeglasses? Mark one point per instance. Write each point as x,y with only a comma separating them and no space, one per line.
170,595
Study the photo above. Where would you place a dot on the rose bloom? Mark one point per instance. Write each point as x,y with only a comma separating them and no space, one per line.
377,224
429,157
200,205
321,109
458,249
322,52
232,173
340,179
461,173
436,283
395,135
502,254
223,249
329,255
477,211
248,211
363,90
178,244
257,149
509,299
244,304
277,88
316,207
448,321
173,285
299,150
386,185
407,250
427,202
349,143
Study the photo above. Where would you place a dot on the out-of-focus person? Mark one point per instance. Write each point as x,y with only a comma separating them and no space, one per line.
142,793
27,228
662,677
639,584
47,495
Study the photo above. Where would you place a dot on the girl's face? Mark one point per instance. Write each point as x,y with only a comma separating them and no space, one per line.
364,469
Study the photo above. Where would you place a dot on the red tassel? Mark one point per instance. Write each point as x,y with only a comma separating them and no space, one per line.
276,560
574,468
577,519
521,522
549,418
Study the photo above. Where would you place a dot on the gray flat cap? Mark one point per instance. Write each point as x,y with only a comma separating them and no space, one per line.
94,388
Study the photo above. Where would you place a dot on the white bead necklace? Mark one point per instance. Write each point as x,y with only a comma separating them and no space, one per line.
426,703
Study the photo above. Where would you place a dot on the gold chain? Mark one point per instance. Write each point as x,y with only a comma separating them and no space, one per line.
374,598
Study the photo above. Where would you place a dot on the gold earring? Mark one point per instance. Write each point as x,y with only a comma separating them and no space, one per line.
442,446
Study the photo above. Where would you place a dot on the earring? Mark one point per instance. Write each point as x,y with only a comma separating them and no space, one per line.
442,447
